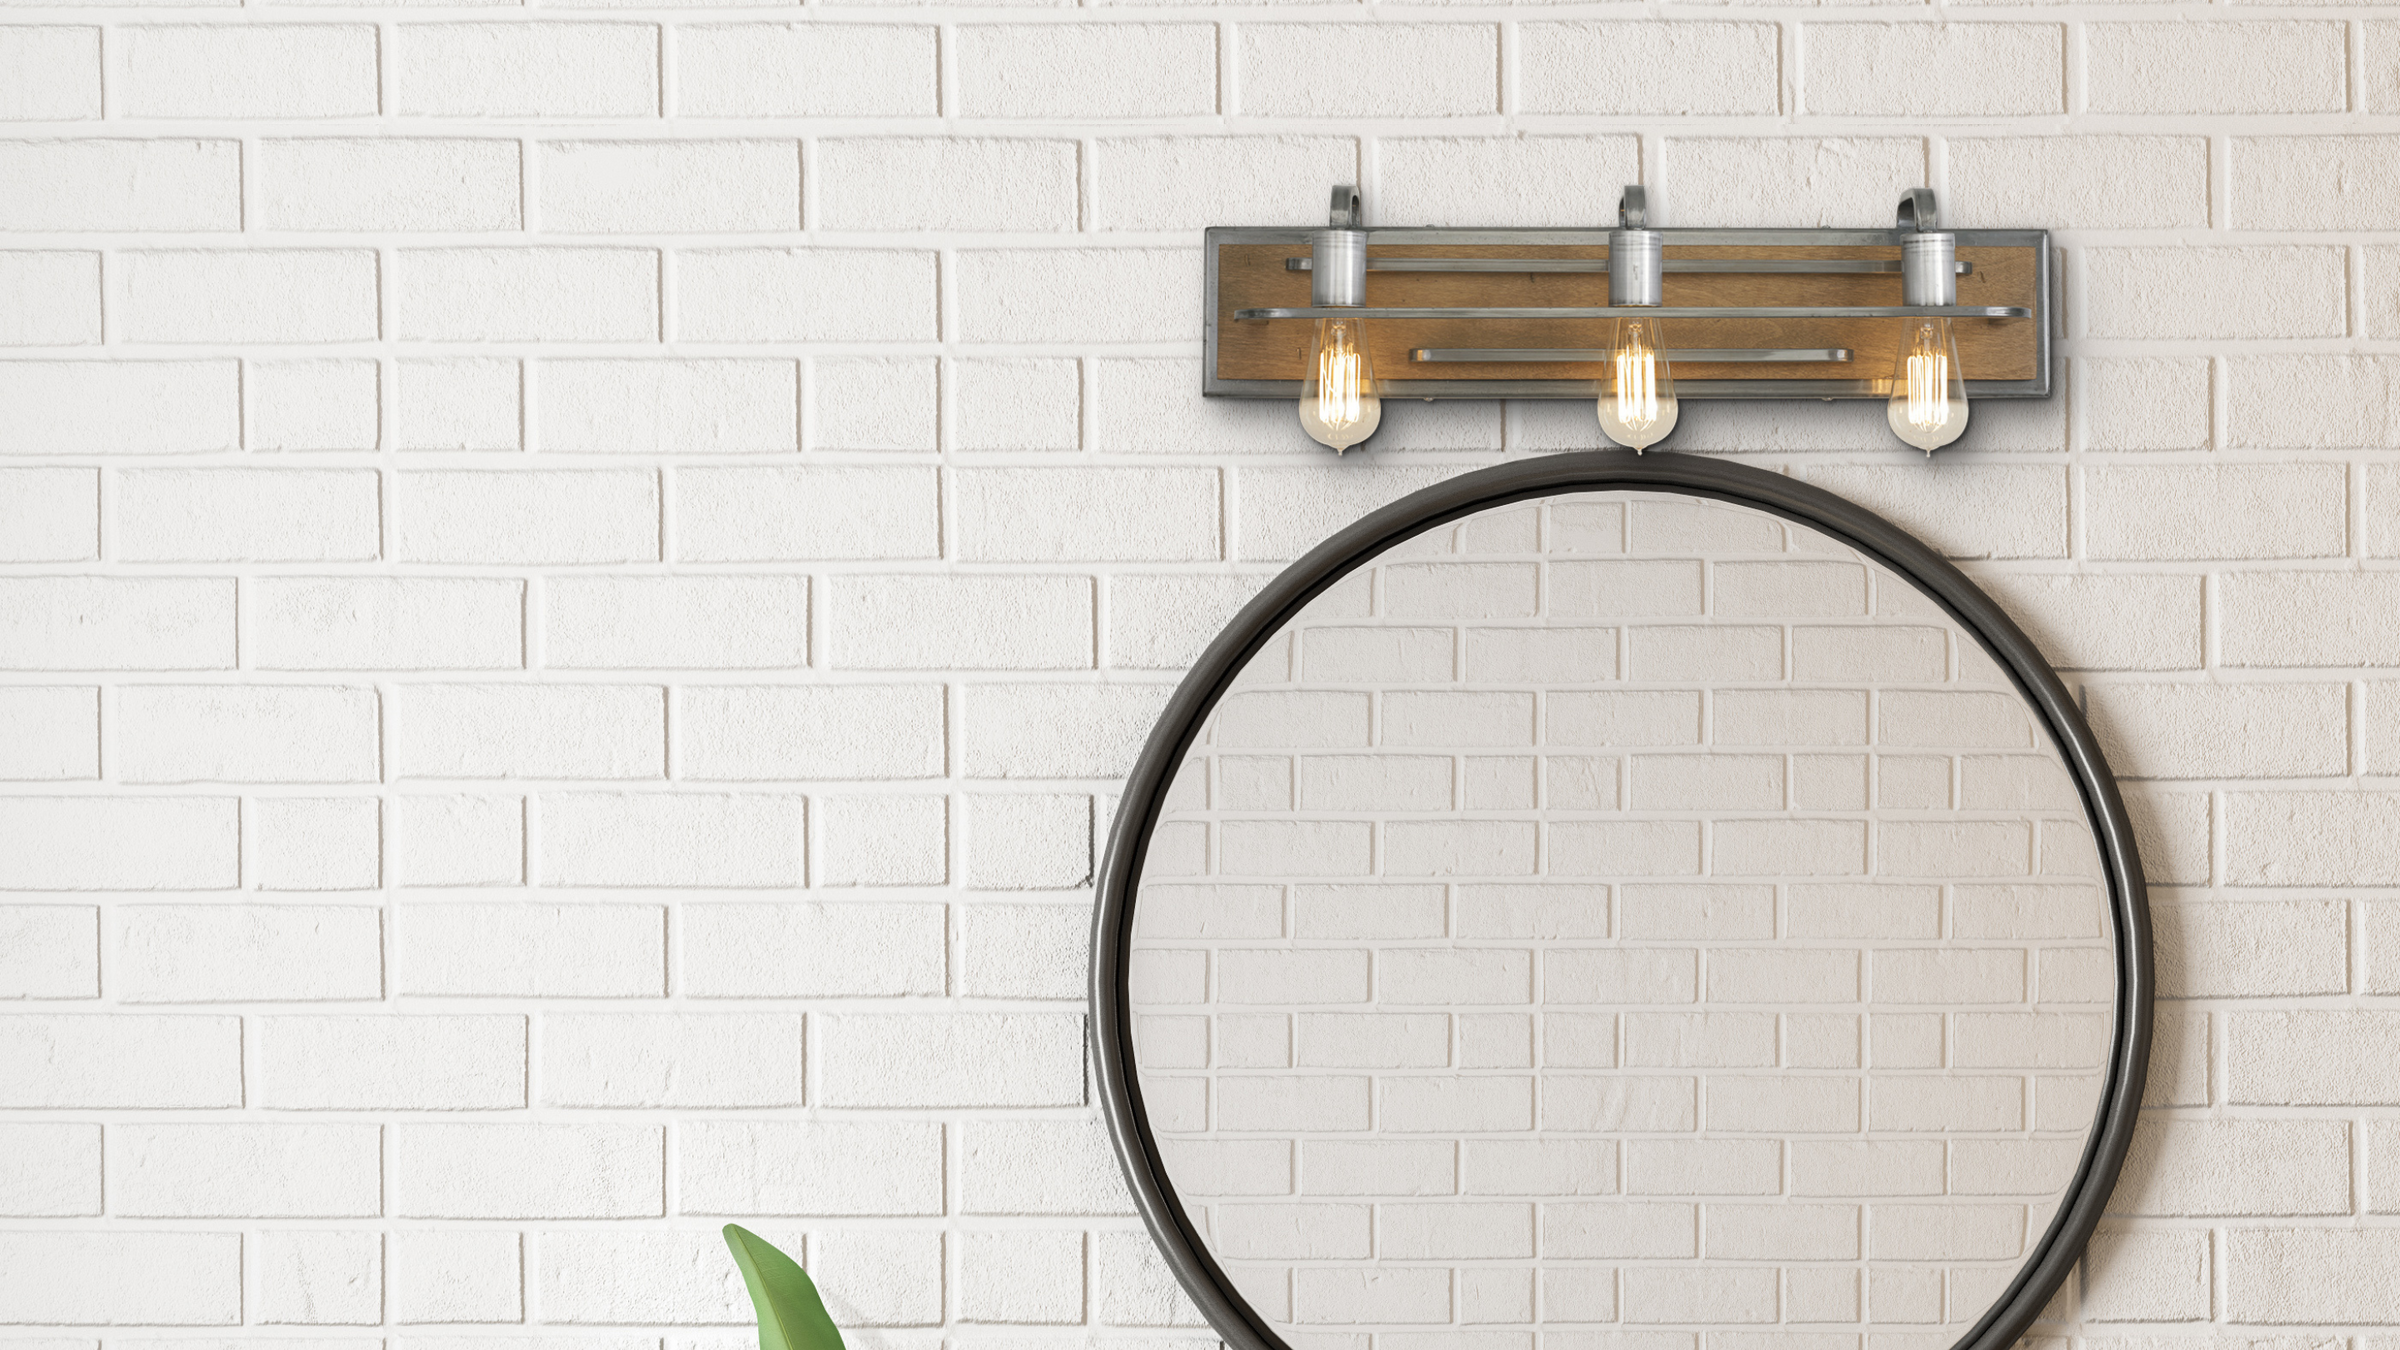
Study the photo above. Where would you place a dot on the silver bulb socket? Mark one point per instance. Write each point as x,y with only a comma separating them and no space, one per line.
1929,269
1636,267
1337,272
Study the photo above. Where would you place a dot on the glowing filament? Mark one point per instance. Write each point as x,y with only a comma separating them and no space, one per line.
1637,380
1341,375
1928,381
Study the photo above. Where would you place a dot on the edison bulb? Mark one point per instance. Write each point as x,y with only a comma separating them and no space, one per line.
1637,400
1929,396
1339,404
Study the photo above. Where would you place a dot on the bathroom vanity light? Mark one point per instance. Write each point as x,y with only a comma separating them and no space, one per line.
1526,314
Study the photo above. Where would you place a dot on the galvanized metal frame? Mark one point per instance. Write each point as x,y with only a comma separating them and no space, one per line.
1111,1022
1297,239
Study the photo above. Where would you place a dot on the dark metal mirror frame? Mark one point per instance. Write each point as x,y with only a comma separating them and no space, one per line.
1111,1023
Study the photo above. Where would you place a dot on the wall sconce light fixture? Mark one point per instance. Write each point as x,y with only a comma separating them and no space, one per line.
1518,313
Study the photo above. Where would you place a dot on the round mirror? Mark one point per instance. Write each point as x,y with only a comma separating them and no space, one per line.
1615,899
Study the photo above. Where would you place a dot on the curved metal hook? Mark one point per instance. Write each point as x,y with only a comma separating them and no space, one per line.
1633,208
1917,210
1345,212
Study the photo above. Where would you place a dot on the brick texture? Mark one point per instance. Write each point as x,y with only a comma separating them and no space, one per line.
577,582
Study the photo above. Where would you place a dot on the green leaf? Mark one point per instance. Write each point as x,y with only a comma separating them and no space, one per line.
790,1315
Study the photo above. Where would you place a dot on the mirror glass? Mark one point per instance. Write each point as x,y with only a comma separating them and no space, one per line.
1622,918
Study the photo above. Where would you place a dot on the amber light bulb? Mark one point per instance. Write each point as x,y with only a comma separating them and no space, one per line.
1339,402
1638,407
1928,408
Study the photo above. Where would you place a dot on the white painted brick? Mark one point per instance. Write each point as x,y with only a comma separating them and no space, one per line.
2143,403
806,295
528,731
1689,68
449,1275
231,515
56,293
49,515
526,1171
49,951
1163,622
49,733
1036,1166
1056,730
1153,405
1368,70
725,515
132,407
2312,182
185,843
655,1059
460,840
1023,1278
679,839
316,843
247,953
383,1062
1004,404
311,405
122,185
616,1274
1965,511
828,1167
994,185
49,74
529,950
844,950
416,183
875,403
1737,181
2222,731
2354,404
245,295
1528,181
1100,515
1282,513
2287,67
1133,1287
2310,1275
1082,295
468,404
651,407
320,1277
707,623
983,622
228,733
645,187
1934,69
125,1060
2081,182
1025,951
524,70
883,840
1028,842
2275,292
524,516
49,1169
2237,1167
2308,619
192,1171
961,1059
2112,622
808,732
198,1279
524,294
2136,1276
806,70
284,70
1164,183
385,623
1081,70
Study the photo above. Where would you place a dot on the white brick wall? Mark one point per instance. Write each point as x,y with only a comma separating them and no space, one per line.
404,810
